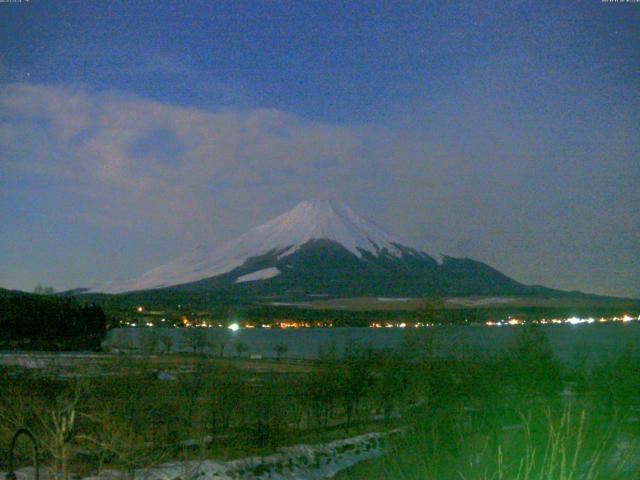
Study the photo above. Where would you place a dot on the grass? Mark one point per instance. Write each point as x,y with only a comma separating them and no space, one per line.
547,444
521,417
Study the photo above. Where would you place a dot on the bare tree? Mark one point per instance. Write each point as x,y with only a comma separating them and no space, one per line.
44,290
218,342
241,348
167,341
419,343
195,338
149,340
280,349
222,343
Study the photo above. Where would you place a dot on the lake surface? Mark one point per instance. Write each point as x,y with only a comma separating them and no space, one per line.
569,342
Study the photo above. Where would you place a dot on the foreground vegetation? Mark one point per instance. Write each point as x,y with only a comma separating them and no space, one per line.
518,415
521,417
144,410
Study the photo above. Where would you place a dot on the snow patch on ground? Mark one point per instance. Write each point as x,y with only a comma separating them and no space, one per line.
263,274
478,302
289,304
309,462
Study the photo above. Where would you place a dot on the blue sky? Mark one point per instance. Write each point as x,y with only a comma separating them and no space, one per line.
505,131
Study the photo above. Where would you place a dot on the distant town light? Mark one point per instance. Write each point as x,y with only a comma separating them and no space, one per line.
576,320
234,327
140,309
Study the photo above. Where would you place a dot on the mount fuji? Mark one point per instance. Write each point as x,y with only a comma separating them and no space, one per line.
321,248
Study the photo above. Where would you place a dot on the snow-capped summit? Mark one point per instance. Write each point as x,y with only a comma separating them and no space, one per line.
325,219
283,235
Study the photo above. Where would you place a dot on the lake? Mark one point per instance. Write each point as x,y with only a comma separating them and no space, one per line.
596,341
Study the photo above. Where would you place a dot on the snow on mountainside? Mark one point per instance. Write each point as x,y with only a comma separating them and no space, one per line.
263,274
285,234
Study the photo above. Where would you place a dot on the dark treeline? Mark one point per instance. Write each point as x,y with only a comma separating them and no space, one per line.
42,322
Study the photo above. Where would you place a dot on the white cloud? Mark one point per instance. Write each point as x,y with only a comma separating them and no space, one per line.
156,162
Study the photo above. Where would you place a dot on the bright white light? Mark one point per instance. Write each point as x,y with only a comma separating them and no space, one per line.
576,320
234,327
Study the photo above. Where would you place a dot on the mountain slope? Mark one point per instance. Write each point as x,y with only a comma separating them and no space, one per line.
325,268
322,248
282,236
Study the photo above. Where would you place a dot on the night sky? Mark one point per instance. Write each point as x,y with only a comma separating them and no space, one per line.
508,132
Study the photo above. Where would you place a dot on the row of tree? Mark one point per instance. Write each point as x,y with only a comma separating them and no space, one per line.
43,322
201,341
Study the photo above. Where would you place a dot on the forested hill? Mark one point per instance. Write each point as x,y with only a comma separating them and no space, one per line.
44,322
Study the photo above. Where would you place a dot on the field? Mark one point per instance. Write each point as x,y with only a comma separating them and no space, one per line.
414,304
519,415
